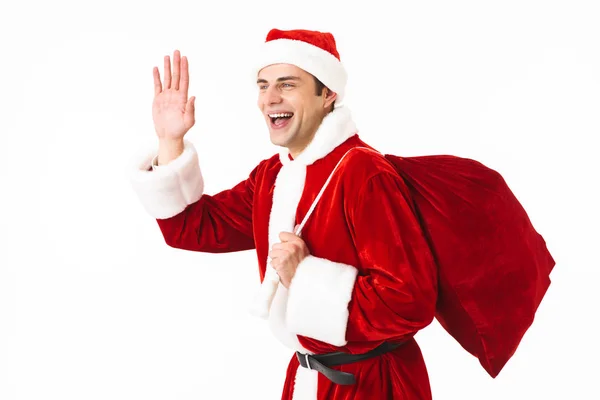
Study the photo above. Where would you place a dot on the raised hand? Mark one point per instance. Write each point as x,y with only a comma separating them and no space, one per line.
172,111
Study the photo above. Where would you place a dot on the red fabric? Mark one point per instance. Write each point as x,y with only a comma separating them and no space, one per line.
385,305
323,40
493,266
220,223
400,374
366,218
377,232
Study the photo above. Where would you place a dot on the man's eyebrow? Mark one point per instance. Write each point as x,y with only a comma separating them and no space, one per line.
281,79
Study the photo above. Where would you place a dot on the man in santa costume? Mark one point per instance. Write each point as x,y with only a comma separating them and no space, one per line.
360,281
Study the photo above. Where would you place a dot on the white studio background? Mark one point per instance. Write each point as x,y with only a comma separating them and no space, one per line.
94,305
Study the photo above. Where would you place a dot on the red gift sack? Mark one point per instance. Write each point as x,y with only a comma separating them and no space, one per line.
493,266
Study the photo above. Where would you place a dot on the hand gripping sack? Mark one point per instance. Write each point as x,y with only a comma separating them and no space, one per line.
493,266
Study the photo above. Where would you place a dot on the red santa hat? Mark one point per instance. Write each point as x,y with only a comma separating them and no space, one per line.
313,51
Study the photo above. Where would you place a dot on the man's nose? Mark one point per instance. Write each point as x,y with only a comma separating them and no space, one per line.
272,96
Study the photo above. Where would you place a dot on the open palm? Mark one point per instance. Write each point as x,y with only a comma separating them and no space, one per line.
172,111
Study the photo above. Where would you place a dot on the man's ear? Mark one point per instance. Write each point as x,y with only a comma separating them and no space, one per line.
329,98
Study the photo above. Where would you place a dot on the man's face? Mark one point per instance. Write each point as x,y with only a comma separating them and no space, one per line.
288,90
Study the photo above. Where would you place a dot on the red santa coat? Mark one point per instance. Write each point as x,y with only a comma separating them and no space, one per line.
369,278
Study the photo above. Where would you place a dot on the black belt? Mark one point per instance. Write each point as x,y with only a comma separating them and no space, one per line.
321,362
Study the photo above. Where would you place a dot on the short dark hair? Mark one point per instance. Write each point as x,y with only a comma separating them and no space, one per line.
319,86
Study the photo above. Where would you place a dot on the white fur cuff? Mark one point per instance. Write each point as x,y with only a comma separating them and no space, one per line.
169,189
318,299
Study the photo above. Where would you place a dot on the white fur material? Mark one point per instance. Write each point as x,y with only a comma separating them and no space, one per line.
305,384
318,299
335,129
312,59
289,186
168,190
277,323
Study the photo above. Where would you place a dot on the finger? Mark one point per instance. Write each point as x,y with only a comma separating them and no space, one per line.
287,237
275,264
167,69
287,246
278,254
185,77
176,69
157,84
278,246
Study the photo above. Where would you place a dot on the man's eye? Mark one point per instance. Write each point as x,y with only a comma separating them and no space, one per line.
287,85
263,87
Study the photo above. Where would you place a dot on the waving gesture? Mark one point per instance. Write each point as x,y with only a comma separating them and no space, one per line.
172,111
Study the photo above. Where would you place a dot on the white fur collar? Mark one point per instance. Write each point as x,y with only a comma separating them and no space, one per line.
335,129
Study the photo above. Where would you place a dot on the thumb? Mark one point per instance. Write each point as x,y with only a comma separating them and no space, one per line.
191,105
296,230
190,109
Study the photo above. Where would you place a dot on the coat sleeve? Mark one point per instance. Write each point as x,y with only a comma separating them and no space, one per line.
188,218
390,295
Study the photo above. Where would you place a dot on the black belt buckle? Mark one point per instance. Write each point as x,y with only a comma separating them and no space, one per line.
322,362
339,377
306,359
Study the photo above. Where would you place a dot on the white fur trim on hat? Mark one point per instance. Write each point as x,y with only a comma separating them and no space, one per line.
312,59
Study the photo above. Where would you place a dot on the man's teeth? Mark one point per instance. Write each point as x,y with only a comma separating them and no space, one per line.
281,115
